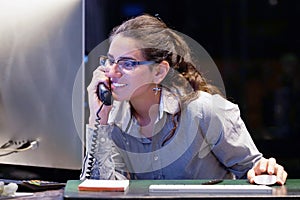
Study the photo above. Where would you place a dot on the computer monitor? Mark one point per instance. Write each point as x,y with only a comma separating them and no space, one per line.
41,84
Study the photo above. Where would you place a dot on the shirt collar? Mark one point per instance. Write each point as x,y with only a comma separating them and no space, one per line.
168,103
120,114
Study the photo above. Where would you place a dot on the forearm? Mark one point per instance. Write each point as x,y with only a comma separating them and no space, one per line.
98,163
99,118
102,158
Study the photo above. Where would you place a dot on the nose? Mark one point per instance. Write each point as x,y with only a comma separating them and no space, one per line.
113,71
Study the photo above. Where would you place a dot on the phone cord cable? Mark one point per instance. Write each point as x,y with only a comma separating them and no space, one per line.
92,161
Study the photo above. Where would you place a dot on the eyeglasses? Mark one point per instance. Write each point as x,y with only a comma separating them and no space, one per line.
125,64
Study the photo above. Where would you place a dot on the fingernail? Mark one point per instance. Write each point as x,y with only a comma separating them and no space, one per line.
279,181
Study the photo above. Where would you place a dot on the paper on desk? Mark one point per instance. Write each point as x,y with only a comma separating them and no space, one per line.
104,185
211,189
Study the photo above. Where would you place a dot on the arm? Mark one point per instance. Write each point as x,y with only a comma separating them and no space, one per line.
227,135
235,138
94,102
102,158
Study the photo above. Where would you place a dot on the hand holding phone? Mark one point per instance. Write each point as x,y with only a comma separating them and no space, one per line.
104,94
99,96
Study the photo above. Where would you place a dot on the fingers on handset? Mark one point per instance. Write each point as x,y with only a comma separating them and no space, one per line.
98,77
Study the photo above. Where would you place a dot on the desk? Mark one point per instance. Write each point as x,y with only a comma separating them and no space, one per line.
138,189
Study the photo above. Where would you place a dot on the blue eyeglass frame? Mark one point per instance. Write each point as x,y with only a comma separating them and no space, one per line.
133,63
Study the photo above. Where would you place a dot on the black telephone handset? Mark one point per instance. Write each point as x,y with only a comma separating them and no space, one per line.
104,94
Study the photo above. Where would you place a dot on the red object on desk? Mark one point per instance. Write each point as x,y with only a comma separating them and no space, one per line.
104,185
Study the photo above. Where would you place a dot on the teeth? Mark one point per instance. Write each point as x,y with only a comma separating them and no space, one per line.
119,85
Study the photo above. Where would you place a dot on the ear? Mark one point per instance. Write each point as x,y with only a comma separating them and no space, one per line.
160,71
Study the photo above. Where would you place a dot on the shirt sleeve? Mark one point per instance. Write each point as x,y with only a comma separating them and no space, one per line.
231,143
102,159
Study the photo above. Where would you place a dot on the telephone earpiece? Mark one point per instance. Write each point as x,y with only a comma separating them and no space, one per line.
104,94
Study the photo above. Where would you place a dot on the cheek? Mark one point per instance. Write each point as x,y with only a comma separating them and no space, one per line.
140,90
139,84
141,80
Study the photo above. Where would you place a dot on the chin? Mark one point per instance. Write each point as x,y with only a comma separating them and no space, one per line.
119,97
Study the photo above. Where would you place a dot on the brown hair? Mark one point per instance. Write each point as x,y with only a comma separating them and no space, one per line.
158,42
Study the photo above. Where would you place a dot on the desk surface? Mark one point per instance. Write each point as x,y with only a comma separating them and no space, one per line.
139,189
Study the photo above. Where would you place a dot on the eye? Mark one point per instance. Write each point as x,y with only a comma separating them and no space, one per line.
127,64
109,62
105,61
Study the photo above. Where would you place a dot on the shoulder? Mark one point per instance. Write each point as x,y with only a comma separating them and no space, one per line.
207,104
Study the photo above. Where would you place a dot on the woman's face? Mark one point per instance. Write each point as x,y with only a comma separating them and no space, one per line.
129,84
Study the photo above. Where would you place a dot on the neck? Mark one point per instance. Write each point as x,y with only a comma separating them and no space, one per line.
145,109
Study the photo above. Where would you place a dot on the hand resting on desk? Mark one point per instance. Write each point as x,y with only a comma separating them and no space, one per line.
268,166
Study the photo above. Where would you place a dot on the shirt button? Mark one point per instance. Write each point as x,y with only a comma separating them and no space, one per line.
200,115
102,140
156,157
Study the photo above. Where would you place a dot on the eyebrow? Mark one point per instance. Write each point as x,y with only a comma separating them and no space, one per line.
122,57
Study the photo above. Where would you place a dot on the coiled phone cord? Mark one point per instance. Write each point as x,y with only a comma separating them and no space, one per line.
92,162
105,96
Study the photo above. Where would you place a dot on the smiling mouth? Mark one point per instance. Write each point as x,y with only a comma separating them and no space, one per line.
119,85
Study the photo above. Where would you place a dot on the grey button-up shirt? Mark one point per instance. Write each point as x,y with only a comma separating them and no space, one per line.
211,141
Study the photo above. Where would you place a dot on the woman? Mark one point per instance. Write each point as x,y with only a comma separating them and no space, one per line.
166,121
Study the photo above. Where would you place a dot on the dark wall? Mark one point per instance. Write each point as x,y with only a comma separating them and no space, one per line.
256,47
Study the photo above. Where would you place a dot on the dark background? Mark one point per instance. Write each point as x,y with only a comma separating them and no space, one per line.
255,45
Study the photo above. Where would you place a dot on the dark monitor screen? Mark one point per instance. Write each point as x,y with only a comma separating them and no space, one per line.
41,90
